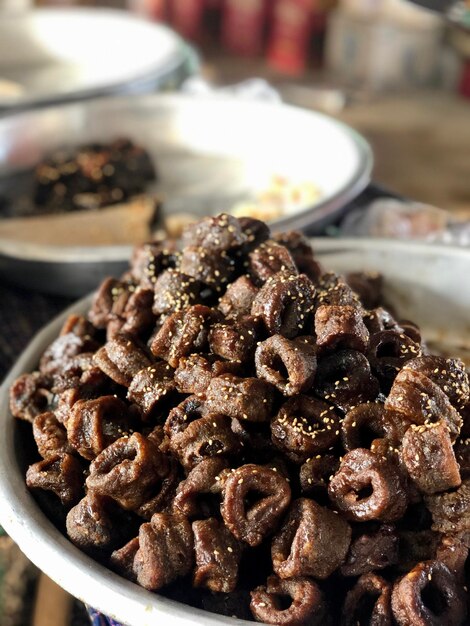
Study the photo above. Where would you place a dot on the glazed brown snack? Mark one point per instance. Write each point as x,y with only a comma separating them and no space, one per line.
316,472
62,474
127,470
368,487
429,595
285,304
388,351
217,556
50,436
288,364
429,457
195,372
91,176
207,437
307,605
165,551
370,421
422,401
304,427
368,602
230,421
30,396
337,325
313,541
235,340
372,551
272,494
345,379
183,333
269,259
94,424
193,496
92,524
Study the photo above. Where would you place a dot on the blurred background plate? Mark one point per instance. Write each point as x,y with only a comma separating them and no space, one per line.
210,153
49,56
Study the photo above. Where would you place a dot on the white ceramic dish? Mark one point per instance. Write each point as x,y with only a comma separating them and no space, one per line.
209,152
56,55
428,284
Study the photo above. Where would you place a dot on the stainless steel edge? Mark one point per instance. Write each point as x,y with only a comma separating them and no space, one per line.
325,212
169,79
17,261
183,63
93,583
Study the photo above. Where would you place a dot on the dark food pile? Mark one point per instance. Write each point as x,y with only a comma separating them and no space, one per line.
85,178
233,418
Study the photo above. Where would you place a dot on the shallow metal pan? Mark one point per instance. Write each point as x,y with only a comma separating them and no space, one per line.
209,151
424,282
49,56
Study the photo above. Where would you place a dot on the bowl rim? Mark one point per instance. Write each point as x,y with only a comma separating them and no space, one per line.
53,553
182,57
301,219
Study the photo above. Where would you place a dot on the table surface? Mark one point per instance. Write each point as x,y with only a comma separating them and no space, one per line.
421,146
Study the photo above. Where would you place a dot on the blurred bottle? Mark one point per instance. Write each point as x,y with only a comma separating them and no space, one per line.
464,85
384,45
212,20
289,39
186,17
459,40
243,24
319,23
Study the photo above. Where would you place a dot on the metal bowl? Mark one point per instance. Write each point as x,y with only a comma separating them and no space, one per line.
424,283
210,153
48,56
